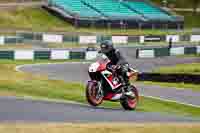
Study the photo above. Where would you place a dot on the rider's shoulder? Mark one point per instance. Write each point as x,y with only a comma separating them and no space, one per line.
117,51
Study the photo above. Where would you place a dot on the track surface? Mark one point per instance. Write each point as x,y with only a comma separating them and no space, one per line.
76,72
13,109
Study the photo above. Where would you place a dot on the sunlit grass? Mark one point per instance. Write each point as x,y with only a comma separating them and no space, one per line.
38,19
193,68
20,84
101,128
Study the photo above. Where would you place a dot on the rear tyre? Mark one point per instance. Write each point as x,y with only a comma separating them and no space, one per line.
92,95
129,103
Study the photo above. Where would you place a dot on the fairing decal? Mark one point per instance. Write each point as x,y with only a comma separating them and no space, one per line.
93,67
109,77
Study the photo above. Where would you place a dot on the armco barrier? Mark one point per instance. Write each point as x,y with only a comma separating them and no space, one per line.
70,38
195,38
147,53
56,54
198,49
42,54
90,55
59,54
103,38
173,78
13,39
175,38
2,40
24,55
52,38
87,39
177,51
120,39
77,55
20,37
7,55
154,38
133,39
161,52
190,50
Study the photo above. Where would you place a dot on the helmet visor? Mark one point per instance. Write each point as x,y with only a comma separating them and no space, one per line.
104,48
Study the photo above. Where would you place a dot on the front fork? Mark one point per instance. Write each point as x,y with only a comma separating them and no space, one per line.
99,90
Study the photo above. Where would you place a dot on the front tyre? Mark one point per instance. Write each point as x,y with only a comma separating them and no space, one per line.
92,94
130,103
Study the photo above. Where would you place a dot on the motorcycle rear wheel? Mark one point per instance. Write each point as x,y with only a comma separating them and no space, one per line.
91,94
130,103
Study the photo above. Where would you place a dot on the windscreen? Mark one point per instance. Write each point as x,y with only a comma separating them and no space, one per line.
102,58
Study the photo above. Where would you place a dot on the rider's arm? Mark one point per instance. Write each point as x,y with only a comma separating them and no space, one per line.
121,59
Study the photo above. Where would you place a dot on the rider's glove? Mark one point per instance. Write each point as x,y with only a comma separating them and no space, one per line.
115,67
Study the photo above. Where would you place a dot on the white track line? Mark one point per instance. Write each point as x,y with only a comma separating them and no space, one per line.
173,101
17,68
158,98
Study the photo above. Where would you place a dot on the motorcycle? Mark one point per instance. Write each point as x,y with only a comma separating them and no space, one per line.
107,85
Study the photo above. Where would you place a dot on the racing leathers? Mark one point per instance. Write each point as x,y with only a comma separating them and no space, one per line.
117,59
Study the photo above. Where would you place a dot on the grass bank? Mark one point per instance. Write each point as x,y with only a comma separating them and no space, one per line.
37,46
178,3
193,68
101,128
10,1
17,46
38,19
23,84
178,86
191,20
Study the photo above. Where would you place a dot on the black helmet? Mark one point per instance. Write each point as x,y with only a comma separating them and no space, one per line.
106,46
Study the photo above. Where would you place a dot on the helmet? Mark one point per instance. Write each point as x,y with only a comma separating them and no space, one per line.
106,46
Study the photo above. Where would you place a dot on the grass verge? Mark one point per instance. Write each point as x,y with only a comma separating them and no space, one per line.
193,68
17,46
38,19
8,1
101,128
22,84
191,20
179,86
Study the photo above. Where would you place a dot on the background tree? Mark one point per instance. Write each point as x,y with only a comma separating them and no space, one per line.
195,5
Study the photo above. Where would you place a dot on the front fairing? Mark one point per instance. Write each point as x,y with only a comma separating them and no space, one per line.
100,64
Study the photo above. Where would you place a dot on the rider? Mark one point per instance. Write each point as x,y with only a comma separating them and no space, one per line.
116,59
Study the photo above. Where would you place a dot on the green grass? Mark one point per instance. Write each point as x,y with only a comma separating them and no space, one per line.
179,86
16,46
23,84
189,55
193,68
111,127
191,20
66,45
49,45
35,19
7,1
38,19
178,3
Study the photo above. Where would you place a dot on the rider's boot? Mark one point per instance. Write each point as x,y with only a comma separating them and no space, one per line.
127,89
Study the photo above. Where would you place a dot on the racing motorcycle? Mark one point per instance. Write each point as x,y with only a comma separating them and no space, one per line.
107,85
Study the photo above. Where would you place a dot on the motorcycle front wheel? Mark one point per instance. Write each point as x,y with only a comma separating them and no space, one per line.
92,94
130,103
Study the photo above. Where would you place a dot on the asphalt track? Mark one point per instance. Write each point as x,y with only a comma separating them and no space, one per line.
26,110
13,109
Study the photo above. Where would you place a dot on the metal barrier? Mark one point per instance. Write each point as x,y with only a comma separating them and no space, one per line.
31,37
